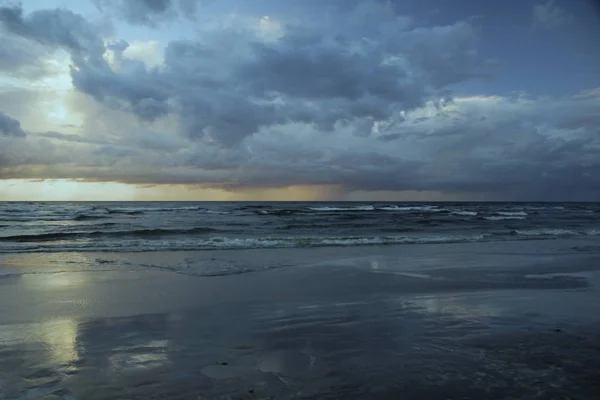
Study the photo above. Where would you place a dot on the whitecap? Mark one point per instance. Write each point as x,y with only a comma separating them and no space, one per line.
411,208
329,209
512,213
465,213
497,218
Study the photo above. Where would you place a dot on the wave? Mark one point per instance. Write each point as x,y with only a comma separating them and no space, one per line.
412,208
503,218
262,210
282,211
425,208
14,210
141,210
57,236
511,213
126,212
555,232
334,209
216,212
325,225
233,243
465,213
303,226
34,218
254,207
86,217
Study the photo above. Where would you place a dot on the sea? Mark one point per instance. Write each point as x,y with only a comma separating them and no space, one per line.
48,227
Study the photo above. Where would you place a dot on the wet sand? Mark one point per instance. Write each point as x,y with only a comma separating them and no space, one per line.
423,322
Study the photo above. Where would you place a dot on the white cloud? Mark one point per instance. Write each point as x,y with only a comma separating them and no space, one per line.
147,51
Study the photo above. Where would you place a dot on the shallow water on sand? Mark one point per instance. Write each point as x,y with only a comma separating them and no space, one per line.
453,323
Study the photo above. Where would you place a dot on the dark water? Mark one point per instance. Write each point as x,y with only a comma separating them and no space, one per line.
163,226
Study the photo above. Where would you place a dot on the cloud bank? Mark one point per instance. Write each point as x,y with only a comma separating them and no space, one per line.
363,99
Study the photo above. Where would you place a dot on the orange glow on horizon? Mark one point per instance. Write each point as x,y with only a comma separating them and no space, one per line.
70,190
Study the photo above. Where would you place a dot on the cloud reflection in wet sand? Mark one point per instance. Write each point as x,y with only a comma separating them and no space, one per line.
306,347
351,330
62,356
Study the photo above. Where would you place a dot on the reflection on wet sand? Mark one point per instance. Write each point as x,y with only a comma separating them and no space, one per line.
35,356
125,345
437,345
457,306
65,357
356,330
57,339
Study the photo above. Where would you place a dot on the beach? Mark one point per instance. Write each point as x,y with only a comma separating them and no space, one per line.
501,320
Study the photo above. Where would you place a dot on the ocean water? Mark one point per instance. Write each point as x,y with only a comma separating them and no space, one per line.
178,226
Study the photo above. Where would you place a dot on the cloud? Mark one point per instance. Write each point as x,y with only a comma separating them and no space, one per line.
55,28
69,138
21,58
10,126
549,15
361,100
148,52
149,12
490,147
232,81
27,47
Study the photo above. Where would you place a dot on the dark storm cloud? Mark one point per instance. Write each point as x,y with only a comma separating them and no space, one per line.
138,91
521,150
226,87
303,69
10,126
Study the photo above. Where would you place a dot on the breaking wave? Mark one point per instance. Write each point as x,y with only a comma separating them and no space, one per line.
555,232
343,209
465,213
412,208
233,243
282,211
502,218
511,213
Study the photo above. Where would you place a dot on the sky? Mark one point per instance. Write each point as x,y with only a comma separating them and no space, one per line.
395,100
